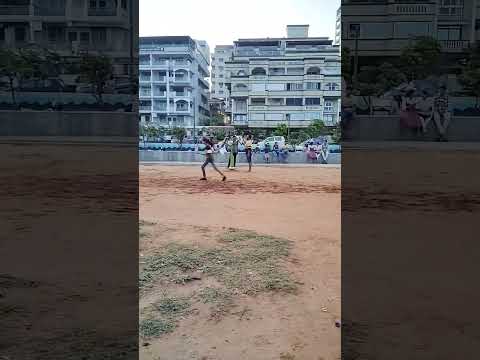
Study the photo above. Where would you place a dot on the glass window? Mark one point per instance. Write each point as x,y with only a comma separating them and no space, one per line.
20,34
411,29
276,87
271,116
258,101
297,116
375,30
312,101
72,36
258,87
294,101
85,36
257,116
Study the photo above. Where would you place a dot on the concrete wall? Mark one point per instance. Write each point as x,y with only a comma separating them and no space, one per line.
44,123
191,156
366,128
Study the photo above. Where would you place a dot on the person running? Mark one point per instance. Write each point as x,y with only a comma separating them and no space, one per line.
409,117
209,146
441,115
232,160
248,151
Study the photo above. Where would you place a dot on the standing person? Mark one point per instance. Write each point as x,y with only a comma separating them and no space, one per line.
409,117
209,159
441,115
425,109
232,160
248,151
267,152
324,151
276,150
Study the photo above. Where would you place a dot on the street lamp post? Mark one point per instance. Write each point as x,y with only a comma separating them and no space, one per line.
355,30
288,128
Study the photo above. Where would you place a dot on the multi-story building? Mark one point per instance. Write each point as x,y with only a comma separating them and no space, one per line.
221,54
292,80
73,28
173,81
385,27
338,27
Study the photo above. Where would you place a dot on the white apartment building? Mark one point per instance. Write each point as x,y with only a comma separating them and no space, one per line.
73,28
292,80
221,54
173,72
338,27
385,27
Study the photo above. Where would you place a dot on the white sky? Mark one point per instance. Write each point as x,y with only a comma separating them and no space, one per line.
220,22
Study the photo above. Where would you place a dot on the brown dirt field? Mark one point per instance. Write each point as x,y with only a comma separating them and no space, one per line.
298,204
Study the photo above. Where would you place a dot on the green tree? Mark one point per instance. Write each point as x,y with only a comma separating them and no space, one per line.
96,70
179,133
15,68
316,128
470,74
421,59
374,81
281,130
216,120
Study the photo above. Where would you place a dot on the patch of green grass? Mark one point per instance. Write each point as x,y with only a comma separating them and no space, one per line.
163,316
221,300
142,225
150,328
172,307
246,262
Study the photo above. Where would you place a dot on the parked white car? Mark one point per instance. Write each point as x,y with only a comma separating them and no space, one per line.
271,141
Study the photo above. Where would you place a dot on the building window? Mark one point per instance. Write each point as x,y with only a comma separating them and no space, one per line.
258,87
294,101
451,7
376,30
328,119
85,37
449,33
259,71
20,34
405,30
257,101
331,87
314,70
328,106
220,76
312,116
72,36
294,86
313,86
312,101
276,87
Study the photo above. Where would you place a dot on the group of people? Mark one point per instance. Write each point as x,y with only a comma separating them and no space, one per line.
316,152
416,112
231,144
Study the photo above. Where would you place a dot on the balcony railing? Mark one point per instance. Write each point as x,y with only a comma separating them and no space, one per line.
454,44
412,9
102,12
14,10
145,93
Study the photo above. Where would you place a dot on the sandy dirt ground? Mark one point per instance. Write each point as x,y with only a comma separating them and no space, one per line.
299,204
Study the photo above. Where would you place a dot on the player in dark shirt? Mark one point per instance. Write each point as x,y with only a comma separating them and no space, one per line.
209,159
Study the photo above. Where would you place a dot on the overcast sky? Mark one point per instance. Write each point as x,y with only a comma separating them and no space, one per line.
220,22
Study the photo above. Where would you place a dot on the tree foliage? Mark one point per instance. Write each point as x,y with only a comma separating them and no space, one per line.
281,130
470,74
14,67
421,59
179,133
96,70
